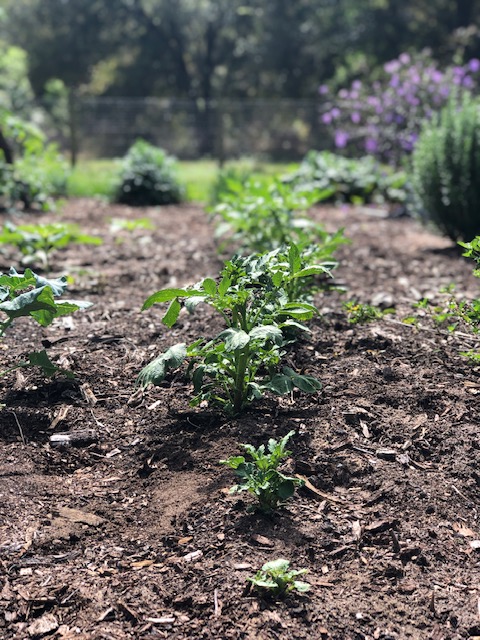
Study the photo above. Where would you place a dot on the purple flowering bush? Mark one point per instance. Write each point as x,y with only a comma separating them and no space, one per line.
384,117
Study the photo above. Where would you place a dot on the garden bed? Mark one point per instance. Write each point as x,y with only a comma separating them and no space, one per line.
136,536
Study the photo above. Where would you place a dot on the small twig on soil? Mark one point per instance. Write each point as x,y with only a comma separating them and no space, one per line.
460,493
316,491
215,602
19,427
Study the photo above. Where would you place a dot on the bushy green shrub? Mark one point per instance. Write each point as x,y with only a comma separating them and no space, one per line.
446,169
147,177
39,172
346,180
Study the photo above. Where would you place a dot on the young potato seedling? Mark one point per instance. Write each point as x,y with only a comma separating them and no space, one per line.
31,295
275,579
260,475
37,241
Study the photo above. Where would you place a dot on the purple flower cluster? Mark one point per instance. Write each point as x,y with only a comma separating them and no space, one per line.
384,117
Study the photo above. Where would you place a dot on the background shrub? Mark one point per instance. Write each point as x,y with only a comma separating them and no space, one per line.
147,177
446,169
340,179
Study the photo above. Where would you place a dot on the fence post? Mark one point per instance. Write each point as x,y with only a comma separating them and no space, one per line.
73,126
220,134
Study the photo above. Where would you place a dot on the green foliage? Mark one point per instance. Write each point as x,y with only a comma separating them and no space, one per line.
31,295
359,313
37,241
38,174
257,217
276,579
227,176
147,177
260,476
342,179
446,169
242,361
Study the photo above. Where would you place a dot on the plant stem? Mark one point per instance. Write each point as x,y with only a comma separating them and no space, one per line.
241,362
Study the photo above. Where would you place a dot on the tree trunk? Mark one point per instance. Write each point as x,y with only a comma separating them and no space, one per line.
6,148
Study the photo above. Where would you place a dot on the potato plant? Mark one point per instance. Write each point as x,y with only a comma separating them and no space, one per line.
275,579
31,295
243,361
260,475
36,242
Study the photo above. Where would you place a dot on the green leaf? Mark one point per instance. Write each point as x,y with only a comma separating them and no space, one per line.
286,489
280,384
224,286
155,371
210,286
276,566
41,359
234,461
234,339
267,332
301,586
311,271
308,384
171,316
294,259
166,295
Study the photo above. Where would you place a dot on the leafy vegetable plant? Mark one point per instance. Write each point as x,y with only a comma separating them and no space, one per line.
31,295
37,241
360,313
276,579
242,361
260,476
257,217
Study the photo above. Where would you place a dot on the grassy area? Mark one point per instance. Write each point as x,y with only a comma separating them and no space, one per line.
97,177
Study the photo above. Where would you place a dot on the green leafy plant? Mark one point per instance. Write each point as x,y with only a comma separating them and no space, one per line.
446,169
38,174
361,313
31,295
256,217
260,475
37,241
275,579
122,224
147,177
342,179
242,361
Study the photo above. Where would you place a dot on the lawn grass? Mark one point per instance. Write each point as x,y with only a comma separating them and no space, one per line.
97,177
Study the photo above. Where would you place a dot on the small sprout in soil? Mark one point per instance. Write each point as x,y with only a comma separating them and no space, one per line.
276,580
359,313
36,242
261,476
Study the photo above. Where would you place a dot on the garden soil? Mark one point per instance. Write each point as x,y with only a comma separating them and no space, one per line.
131,532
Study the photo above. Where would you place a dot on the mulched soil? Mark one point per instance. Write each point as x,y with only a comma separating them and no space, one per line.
135,535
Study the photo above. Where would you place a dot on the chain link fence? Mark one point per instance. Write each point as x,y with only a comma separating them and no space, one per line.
279,130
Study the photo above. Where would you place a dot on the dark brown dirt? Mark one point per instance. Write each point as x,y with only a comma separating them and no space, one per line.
95,541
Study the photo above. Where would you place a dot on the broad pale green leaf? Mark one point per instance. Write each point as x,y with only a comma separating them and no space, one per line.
155,372
171,316
234,339
267,332
275,566
301,586
234,461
